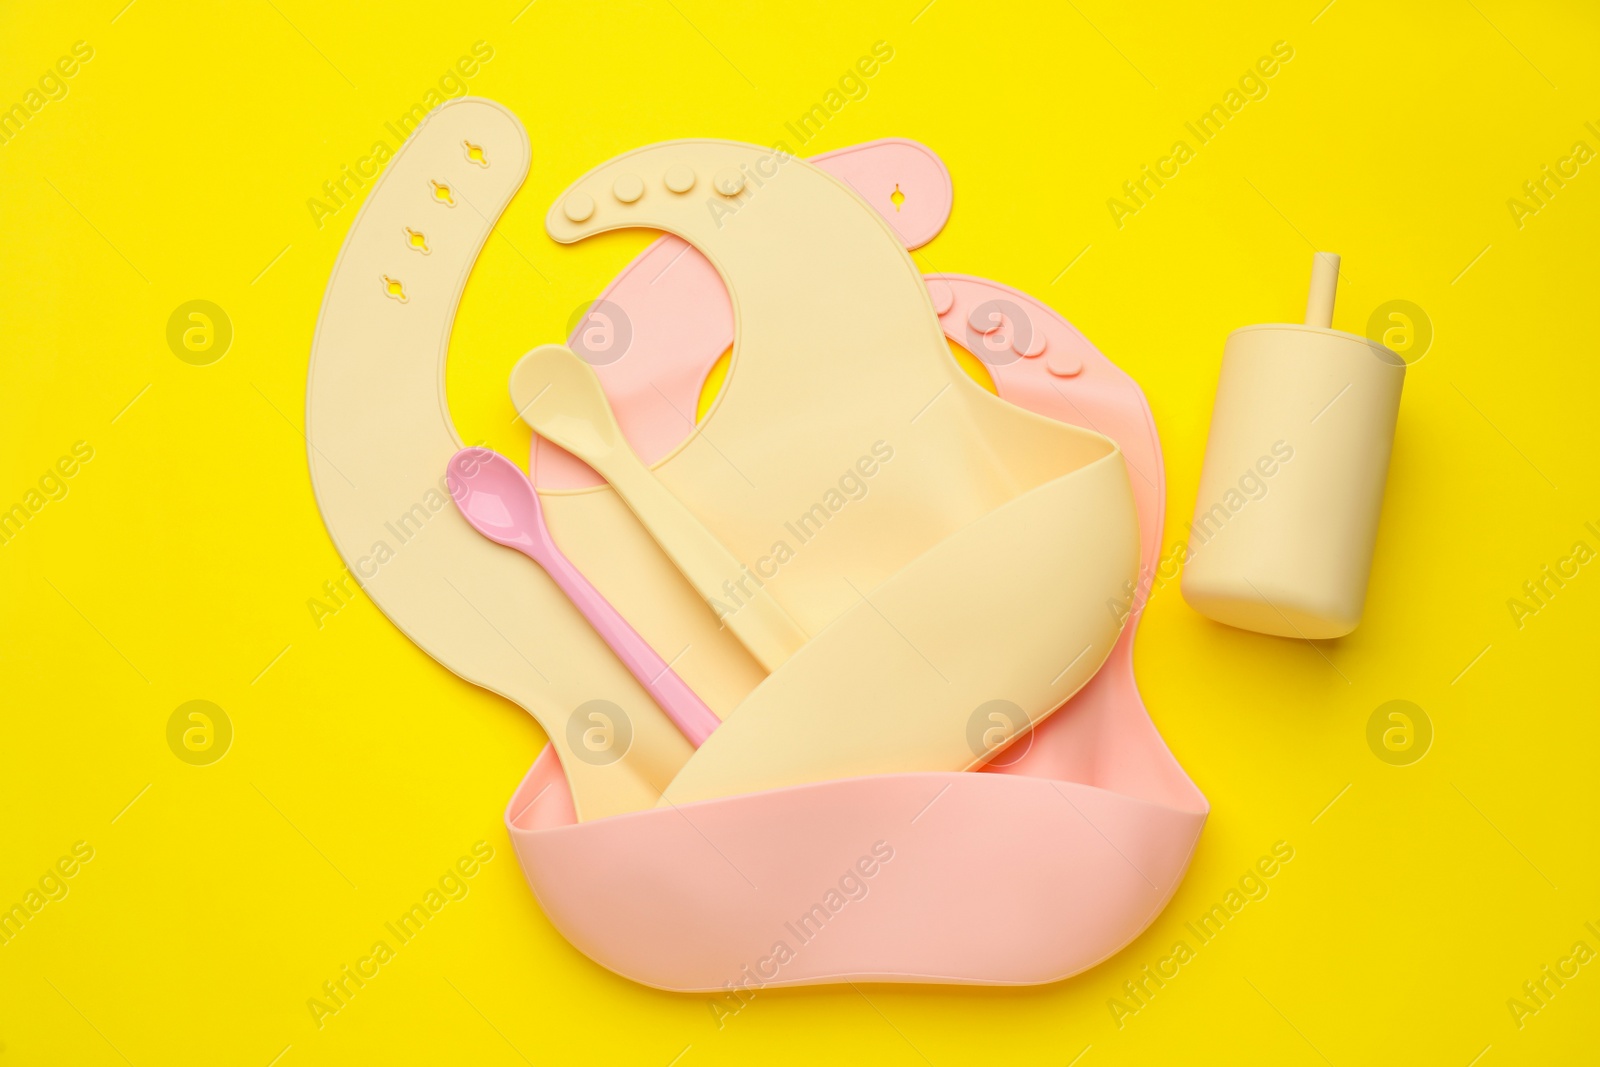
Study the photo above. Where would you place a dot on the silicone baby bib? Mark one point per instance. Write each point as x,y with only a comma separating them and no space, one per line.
945,876
975,566
1011,882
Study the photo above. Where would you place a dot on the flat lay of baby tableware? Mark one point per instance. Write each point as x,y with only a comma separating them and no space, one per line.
834,632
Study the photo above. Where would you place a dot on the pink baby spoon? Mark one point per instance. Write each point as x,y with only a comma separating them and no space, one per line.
500,503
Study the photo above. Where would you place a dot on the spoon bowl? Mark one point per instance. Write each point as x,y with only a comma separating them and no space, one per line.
496,498
560,396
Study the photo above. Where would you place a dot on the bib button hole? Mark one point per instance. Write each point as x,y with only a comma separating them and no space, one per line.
442,193
416,241
393,289
897,197
475,154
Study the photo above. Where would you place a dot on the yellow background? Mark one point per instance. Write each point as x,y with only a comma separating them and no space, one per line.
180,562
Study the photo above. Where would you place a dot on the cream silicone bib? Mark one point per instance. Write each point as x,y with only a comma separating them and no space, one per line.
974,569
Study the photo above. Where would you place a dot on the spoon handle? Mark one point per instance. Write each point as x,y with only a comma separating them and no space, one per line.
737,597
681,704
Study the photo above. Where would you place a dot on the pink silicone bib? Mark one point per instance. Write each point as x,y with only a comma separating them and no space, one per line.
1063,853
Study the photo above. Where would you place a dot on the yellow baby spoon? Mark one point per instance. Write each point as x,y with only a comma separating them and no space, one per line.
559,395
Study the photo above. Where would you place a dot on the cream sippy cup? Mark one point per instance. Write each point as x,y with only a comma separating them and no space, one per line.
1287,515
